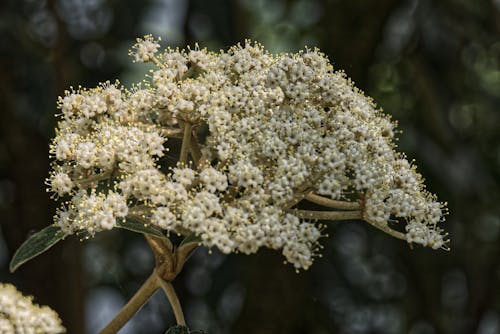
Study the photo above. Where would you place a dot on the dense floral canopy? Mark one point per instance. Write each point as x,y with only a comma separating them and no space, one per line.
18,314
260,133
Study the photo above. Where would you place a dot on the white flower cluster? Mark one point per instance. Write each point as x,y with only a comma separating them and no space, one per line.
145,49
18,314
261,132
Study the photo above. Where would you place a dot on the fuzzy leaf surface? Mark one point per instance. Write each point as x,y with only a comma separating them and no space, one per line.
36,245
136,226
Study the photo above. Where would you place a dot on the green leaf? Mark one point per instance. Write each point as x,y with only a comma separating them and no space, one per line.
177,330
36,245
139,227
182,330
190,238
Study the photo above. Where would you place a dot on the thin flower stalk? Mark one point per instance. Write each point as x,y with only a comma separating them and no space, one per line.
174,301
327,215
333,204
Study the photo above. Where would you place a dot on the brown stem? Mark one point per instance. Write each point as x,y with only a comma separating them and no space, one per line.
182,254
345,215
134,304
186,139
158,62
194,149
294,201
386,229
327,215
333,204
174,301
159,248
83,182
162,250
168,288
172,133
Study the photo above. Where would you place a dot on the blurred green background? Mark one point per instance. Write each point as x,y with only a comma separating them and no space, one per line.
433,65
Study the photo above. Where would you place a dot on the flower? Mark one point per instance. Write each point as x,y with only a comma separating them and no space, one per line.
18,314
145,49
260,133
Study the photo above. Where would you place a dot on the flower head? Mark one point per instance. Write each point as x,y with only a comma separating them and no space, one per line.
260,133
18,314
145,49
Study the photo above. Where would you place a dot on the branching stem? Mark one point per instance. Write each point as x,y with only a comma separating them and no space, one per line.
164,257
168,288
294,201
83,182
194,149
327,215
186,140
171,133
333,204
158,62
134,304
387,229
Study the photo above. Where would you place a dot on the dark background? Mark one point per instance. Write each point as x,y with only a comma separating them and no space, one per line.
433,65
